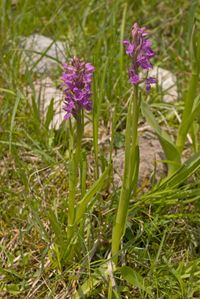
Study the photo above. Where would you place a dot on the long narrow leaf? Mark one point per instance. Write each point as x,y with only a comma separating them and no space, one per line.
186,170
49,115
18,97
188,122
168,146
60,234
134,278
96,187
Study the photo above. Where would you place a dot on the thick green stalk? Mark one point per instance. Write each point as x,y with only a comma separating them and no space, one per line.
79,135
72,176
95,141
131,163
83,175
74,166
134,152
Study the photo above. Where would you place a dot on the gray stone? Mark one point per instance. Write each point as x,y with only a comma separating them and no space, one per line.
151,154
41,54
45,91
167,82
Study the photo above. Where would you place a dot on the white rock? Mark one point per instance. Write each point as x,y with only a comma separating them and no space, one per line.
168,83
150,154
35,46
44,93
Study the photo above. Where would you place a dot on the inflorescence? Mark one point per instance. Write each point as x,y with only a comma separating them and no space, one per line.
77,78
77,75
139,49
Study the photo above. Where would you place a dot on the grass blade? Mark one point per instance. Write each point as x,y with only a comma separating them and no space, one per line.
96,187
185,171
18,97
168,146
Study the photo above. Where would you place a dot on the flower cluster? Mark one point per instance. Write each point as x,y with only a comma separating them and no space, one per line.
139,49
77,78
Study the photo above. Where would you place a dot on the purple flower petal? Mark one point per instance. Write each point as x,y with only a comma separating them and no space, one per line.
148,83
129,47
77,78
139,48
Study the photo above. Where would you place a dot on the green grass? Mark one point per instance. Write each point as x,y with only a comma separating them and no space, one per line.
160,254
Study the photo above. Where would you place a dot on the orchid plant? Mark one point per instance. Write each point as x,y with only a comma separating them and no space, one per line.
140,51
76,83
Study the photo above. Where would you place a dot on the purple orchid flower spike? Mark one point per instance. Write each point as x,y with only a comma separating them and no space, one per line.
140,51
77,79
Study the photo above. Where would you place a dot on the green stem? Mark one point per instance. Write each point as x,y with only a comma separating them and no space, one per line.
131,165
83,176
71,200
74,172
79,136
95,141
134,133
